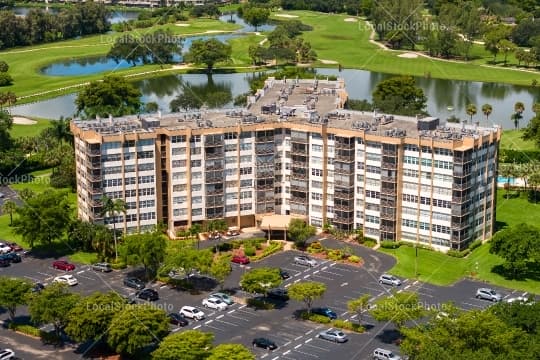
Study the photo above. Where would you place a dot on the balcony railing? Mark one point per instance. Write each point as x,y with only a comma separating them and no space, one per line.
264,139
297,199
462,185
388,215
388,178
298,151
343,195
299,139
93,153
387,191
214,142
215,203
264,187
344,146
299,188
388,165
343,220
214,192
389,152
388,203
215,155
265,174
388,228
300,164
344,158
213,180
219,215
344,207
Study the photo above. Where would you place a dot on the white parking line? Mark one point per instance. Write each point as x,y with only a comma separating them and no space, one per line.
316,271
354,316
406,287
297,280
322,277
308,340
324,268
277,357
230,312
475,305
80,272
265,355
208,322
305,353
333,273
525,294
286,352
333,264
287,285
309,332
196,327
297,346
243,306
305,277
226,322
220,316
287,343
345,313
298,337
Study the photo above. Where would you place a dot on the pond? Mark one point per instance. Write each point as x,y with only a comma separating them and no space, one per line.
445,97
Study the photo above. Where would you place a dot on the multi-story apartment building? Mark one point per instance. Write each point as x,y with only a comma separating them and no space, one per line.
293,151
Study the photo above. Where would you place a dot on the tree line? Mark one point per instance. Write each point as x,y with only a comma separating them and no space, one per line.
39,27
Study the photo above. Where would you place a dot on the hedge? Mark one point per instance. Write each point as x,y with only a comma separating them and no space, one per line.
273,248
259,304
347,325
321,319
354,259
475,244
386,244
249,250
458,254
518,156
25,329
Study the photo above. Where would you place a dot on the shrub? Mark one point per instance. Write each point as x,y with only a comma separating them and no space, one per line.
118,265
354,259
458,254
475,244
347,325
249,250
314,317
25,329
273,248
260,304
315,248
390,244
335,255
369,242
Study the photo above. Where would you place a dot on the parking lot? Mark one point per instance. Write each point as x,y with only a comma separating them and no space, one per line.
295,339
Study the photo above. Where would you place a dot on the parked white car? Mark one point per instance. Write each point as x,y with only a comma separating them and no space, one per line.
214,303
4,248
191,312
305,261
7,354
66,279
389,280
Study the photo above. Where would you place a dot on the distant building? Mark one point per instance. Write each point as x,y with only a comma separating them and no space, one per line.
294,151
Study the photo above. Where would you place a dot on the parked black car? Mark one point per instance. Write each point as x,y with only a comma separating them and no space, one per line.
284,274
38,287
148,294
177,319
12,257
278,294
324,311
134,283
264,343
4,263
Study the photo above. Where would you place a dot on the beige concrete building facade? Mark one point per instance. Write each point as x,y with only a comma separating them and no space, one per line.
293,150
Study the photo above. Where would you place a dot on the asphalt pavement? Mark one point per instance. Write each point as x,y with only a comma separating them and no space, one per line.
296,339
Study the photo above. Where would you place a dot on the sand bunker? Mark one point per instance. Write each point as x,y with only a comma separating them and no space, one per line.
19,120
183,25
328,61
286,16
350,20
408,55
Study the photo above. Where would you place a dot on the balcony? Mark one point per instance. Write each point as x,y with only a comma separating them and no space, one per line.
387,191
93,153
388,165
300,164
265,199
388,203
219,215
264,187
344,195
339,170
343,220
299,139
388,228
388,178
214,192
215,203
265,174
344,146
213,142
94,178
389,152
344,158
388,215
299,188
344,207
461,186
214,180
264,139
299,151
298,176
216,155
298,199
93,165
94,191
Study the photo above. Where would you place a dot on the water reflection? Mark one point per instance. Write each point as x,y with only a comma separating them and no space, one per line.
441,94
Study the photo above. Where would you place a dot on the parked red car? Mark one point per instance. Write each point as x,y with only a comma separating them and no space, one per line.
63,265
240,259
15,246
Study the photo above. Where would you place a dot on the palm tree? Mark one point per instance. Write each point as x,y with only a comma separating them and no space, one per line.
519,108
195,230
7,98
487,109
471,110
110,208
9,207
60,130
534,181
507,170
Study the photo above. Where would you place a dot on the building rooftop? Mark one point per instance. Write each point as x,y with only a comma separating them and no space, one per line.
306,102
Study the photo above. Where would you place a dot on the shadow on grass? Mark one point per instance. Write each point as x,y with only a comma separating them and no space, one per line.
391,336
500,225
532,272
54,250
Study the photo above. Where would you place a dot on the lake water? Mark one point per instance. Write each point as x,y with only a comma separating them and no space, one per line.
115,17
441,94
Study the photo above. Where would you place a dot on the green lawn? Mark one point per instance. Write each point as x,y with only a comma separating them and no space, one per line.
517,210
18,131
348,43
511,139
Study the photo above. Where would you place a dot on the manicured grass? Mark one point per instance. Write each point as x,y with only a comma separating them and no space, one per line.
517,209
25,63
348,43
18,131
240,48
511,139
82,257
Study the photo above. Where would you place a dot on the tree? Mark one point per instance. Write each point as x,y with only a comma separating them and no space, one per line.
231,352
221,268
398,308
186,345
534,182
394,18
255,16
299,231
6,122
52,305
112,96
532,131
471,111
5,79
128,48
519,108
91,317
399,95
471,335
147,249
492,39
307,292
4,67
151,107
189,260
60,130
359,306
260,280
211,95
9,207
7,98
506,47
208,52
135,327
518,246
519,315
487,109
111,208
44,217
536,108
13,292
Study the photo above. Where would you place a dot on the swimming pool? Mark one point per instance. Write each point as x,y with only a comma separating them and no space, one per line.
505,180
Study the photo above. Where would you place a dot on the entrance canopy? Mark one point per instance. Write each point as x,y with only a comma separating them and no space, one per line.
277,222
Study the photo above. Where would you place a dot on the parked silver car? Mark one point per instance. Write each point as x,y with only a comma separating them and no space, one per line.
488,294
383,354
304,260
333,335
389,280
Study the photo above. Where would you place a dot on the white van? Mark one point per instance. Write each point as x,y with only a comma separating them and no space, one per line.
382,354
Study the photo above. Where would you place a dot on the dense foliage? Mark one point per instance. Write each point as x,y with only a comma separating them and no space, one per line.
38,26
